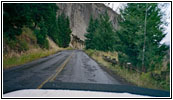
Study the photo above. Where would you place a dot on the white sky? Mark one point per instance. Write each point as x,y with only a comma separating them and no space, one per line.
115,6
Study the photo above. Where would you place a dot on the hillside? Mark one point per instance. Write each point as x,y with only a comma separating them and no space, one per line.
29,34
25,49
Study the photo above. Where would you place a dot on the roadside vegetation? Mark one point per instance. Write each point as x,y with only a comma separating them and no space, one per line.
143,79
137,42
33,54
28,29
40,18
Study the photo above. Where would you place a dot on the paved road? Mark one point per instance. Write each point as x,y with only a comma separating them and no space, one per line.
69,70
73,66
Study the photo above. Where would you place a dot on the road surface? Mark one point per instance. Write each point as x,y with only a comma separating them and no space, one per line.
69,66
68,70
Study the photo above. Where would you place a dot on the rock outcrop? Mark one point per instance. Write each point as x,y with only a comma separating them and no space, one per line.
79,15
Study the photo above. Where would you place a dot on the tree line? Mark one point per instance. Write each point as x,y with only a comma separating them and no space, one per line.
41,18
100,34
137,40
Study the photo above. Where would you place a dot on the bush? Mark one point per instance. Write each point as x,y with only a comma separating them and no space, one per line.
23,46
11,44
16,45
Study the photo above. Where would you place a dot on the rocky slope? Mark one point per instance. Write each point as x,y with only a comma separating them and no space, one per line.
79,15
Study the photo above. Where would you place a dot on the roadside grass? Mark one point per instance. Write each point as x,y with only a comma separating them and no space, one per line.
142,80
28,56
26,49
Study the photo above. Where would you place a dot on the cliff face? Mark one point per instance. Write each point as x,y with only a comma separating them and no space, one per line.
79,15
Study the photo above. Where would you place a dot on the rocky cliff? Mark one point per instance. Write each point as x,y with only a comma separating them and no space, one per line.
79,15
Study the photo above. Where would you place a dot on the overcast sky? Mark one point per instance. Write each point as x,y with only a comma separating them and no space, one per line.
115,6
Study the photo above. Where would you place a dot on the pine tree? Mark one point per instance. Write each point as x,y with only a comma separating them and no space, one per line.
100,34
155,33
41,35
67,32
132,34
106,33
17,15
93,25
64,31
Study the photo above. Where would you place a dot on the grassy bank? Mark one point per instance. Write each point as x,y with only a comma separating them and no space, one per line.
33,54
24,49
143,80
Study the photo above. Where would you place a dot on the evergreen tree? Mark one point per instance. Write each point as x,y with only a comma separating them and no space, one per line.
17,15
47,11
93,25
64,31
131,34
155,51
44,18
100,34
41,35
106,34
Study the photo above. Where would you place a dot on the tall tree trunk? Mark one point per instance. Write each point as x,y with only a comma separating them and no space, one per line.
143,55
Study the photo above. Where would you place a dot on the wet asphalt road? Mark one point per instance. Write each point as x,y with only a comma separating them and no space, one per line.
82,69
79,68
69,70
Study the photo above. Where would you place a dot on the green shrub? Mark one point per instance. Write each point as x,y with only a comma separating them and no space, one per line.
23,46
12,44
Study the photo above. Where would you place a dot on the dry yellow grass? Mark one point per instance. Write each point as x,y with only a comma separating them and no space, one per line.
52,44
32,54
